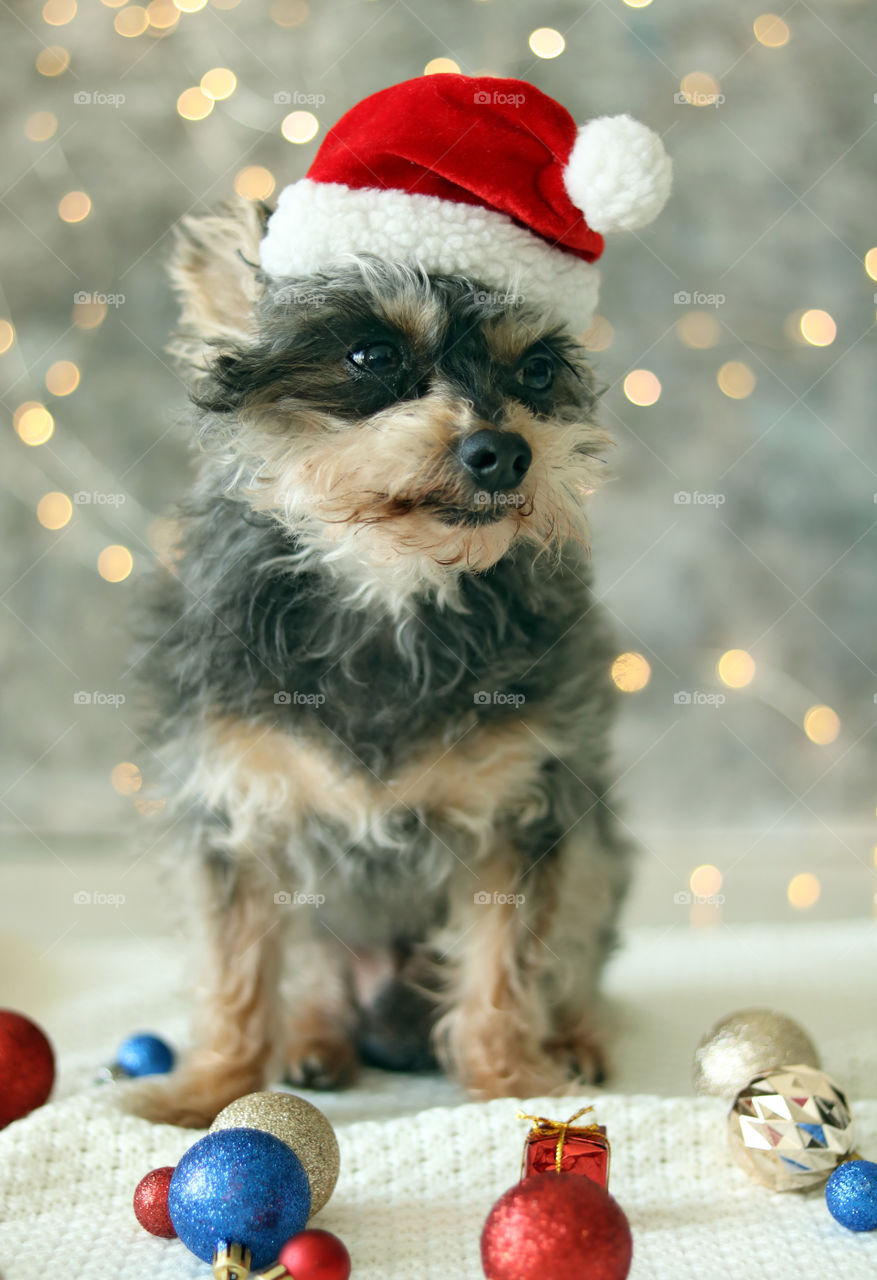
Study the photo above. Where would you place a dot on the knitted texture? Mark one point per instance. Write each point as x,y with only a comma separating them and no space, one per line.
414,1193
417,1180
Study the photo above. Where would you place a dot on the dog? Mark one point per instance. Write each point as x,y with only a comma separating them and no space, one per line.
380,681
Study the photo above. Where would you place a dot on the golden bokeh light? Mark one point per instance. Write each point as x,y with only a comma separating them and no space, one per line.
818,328
736,668
89,315
700,89
631,672
822,725
190,6
41,126
219,83
54,510
126,778
642,387
286,13
599,336
771,31
23,408
193,104
441,66
53,61
546,42
300,126
62,378
705,881
162,15
74,207
871,263
113,4
115,563
637,4
254,182
7,336
803,891
132,21
35,424
698,329
57,13
736,380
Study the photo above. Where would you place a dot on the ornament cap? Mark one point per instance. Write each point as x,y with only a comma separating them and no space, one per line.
231,1262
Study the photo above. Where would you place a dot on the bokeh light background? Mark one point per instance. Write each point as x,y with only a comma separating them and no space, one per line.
735,547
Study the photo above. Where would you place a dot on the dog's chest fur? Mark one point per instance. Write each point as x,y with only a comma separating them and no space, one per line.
372,753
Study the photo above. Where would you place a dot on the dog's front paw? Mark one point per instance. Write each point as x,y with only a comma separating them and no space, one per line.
321,1060
580,1055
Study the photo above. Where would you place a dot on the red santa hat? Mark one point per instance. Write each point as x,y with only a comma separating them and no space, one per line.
475,176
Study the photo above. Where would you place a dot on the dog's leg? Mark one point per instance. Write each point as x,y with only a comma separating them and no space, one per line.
589,875
491,1035
236,1029
320,1051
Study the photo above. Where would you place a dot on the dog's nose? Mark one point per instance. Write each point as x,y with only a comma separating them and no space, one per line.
496,459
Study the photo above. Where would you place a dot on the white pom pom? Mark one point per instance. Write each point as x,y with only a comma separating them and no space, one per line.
618,174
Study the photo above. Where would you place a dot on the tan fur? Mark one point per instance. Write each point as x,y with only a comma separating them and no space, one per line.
236,1036
213,271
367,491
492,1034
261,777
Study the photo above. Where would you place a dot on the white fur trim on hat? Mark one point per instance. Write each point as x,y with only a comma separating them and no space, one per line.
318,224
618,174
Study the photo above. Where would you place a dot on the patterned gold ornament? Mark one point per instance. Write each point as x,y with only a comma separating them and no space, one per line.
744,1043
299,1124
790,1127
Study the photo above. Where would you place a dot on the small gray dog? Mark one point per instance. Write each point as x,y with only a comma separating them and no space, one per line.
380,679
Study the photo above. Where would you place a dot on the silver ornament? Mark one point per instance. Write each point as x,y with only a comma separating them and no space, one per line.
745,1042
789,1128
299,1124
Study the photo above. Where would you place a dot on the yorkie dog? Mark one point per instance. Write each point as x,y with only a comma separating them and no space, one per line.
380,676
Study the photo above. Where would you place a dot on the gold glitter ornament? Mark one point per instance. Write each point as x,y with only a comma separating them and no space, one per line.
299,1124
789,1128
744,1043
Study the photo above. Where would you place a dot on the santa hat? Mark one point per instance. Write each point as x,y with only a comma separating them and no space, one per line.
475,176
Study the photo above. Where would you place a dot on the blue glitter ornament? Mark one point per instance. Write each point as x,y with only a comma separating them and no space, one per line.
239,1186
851,1195
145,1055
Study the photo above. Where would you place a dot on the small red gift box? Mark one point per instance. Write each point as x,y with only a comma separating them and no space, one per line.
559,1146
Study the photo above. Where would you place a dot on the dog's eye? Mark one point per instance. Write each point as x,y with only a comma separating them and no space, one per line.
376,357
536,373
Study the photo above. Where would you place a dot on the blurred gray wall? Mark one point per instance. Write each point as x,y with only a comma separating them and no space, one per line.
773,212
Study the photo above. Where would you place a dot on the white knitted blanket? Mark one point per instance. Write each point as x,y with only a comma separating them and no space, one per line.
418,1179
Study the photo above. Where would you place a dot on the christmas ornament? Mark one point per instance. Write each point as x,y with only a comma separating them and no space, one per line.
150,1203
27,1066
560,1226
554,1146
476,176
790,1127
235,1197
740,1045
145,1054
851,1195
311,1255
299,1124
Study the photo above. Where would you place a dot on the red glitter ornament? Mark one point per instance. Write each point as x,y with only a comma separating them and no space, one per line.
315,1255
150,1203
27,1066
558,1225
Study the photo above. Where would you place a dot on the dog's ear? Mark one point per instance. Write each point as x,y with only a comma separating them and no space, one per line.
214,272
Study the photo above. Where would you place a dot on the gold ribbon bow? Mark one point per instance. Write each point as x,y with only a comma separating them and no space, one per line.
559,1129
